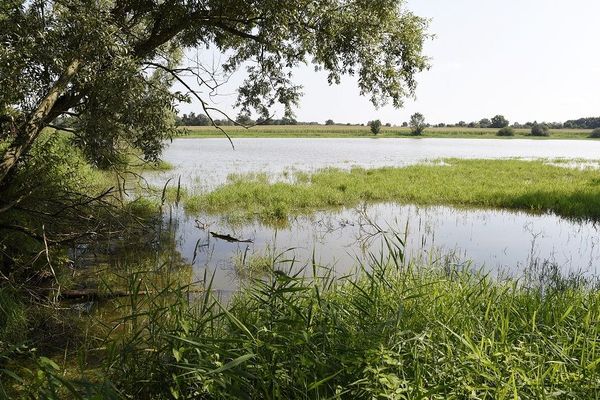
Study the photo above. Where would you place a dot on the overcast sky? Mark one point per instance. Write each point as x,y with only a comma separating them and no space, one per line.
526,59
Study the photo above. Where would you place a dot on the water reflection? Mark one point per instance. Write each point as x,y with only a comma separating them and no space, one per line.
498,241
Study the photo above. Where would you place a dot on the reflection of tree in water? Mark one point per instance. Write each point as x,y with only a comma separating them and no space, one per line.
151,256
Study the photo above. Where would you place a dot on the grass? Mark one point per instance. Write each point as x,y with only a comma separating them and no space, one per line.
249,266
345,131
392,330
513,184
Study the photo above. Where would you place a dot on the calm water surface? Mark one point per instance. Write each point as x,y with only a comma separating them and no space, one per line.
206,163
502,242
498,241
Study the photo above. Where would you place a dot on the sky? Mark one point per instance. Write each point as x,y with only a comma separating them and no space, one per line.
526,59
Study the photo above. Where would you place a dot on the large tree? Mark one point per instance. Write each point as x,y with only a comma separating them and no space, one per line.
110,65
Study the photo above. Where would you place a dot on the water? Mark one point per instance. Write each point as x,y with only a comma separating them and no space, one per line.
206,163
501,242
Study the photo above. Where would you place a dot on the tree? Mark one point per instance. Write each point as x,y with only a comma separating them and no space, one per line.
417,124
583,123
244,119
112,64
499,122
540,130
375,126
329,122
485,123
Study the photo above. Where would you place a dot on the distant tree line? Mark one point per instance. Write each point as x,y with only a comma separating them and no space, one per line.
193,119
498,122
583,123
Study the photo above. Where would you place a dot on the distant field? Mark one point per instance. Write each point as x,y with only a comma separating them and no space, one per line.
340,131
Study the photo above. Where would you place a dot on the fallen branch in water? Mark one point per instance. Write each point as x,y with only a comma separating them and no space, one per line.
230,238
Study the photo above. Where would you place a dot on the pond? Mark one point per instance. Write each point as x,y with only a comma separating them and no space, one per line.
498,241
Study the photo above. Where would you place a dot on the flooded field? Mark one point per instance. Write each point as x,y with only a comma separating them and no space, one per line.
206,163
501,242
496,241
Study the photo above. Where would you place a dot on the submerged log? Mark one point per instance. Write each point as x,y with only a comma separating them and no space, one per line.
229,238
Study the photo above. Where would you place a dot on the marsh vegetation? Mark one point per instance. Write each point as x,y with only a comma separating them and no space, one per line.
137,262
148,312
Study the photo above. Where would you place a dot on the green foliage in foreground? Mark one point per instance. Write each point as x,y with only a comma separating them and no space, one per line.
390,331
515,184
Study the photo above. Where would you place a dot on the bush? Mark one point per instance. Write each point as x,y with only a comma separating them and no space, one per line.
540,130
506,131
595,133
375,126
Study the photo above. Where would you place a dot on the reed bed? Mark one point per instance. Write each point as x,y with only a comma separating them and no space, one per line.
392,330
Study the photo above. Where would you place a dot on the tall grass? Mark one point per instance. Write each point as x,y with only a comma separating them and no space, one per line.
514,184
392,330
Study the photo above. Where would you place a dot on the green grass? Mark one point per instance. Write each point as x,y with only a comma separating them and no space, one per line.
392,330
345,131
513,184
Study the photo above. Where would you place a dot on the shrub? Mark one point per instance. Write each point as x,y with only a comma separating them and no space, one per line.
375,126
595,133
540,130
506,131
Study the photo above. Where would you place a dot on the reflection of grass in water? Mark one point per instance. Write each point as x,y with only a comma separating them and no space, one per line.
250,266
514,184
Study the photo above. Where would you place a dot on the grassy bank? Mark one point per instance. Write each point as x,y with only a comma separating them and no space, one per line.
390,331
514,184
347,131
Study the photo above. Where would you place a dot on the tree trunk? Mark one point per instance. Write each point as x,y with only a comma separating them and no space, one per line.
29,131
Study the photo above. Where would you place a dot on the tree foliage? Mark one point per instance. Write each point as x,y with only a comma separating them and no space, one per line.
583,123
108,67
417,124
375,126
540,130
506,131
485,123
112,64
499,122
